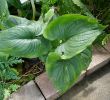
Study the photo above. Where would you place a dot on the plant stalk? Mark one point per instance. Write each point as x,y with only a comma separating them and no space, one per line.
34,9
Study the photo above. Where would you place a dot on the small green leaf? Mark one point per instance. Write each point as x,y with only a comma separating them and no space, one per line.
7,93
64,73
13,87
43,22
49,15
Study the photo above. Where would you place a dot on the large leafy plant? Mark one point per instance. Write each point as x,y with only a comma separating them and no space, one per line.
62,39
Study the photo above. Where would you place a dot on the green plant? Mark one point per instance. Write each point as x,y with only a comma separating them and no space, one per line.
7,73
101,10
61,38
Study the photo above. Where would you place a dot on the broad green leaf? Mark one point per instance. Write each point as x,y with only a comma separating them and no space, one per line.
76,44
23,41
74,33
70,24
64,73
12,21
22,37
3,10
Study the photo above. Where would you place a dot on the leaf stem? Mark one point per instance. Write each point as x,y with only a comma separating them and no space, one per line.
34,9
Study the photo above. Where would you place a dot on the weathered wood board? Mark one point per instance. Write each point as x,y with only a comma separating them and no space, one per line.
27,92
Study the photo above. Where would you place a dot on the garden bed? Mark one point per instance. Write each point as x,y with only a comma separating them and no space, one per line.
45,89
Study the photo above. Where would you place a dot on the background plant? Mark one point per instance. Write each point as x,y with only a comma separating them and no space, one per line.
7,72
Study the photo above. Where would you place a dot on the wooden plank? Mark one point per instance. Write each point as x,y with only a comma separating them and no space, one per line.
100,58
46,87
28,92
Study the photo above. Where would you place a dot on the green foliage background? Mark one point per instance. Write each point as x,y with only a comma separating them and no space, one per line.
59,32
